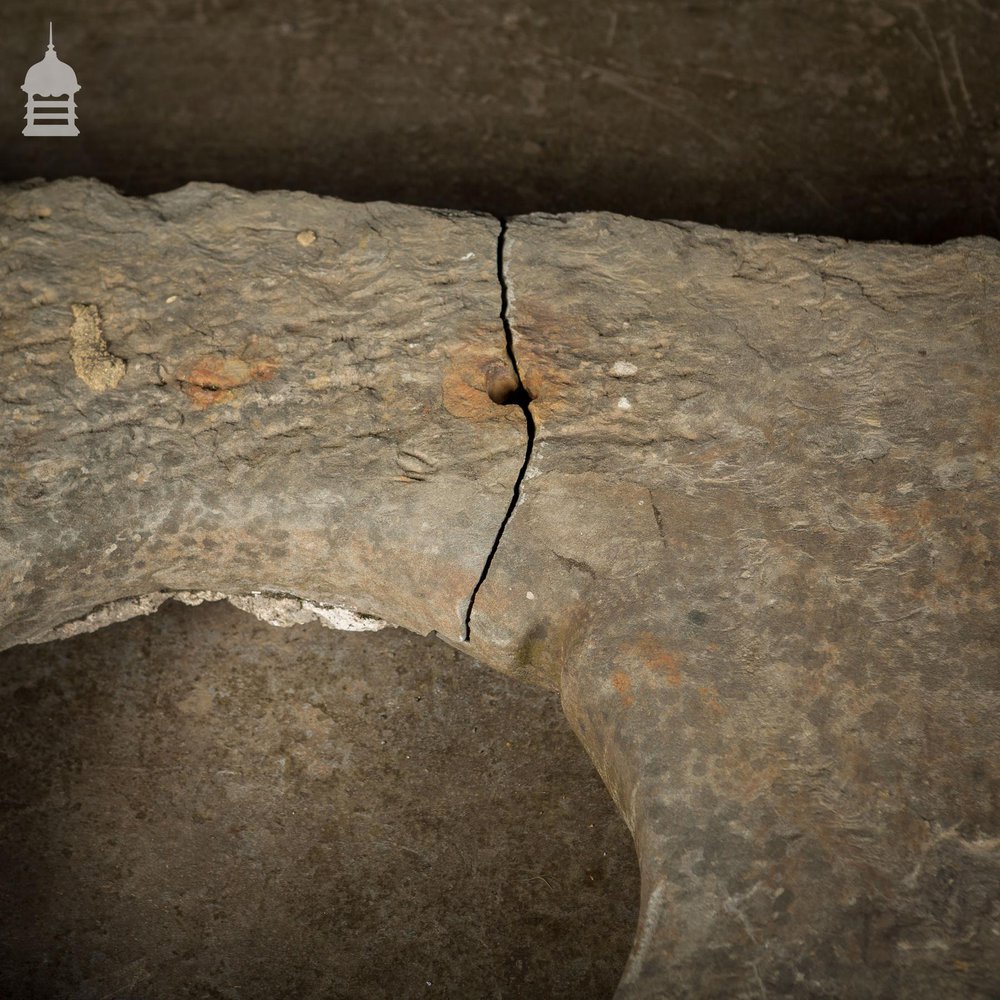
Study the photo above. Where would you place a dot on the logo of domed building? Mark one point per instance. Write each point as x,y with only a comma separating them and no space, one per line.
51,86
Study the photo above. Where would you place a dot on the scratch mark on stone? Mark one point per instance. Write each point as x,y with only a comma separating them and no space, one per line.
899,618
942,75
959,75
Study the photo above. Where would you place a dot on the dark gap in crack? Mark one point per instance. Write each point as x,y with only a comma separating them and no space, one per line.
519,397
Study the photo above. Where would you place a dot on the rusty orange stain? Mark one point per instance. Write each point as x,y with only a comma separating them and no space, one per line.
711,698
465,384
659,661
655,658
667,663
214,378
623,685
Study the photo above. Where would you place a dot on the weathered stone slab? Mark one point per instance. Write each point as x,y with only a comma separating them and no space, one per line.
757,545
210,390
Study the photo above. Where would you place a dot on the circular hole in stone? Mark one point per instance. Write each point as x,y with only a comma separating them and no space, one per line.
198,804
501,386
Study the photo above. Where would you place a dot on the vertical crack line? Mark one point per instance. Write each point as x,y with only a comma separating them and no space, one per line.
520,397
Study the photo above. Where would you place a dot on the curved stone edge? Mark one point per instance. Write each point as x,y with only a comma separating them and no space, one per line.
757,547
282,611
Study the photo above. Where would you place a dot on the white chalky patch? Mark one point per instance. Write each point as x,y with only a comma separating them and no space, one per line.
344,619
280,611
623,369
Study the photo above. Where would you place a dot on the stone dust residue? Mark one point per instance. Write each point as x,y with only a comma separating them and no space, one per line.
93,362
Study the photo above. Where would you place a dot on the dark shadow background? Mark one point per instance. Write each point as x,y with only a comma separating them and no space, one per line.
196,804
871,120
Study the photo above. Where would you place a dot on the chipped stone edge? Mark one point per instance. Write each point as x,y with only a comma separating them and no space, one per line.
283,611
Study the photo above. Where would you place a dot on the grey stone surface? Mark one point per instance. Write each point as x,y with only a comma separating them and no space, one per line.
754,546
757,546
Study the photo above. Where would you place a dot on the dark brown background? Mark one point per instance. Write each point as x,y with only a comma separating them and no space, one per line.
197,804
859,119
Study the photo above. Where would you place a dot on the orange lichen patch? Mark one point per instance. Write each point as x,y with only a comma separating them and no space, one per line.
622,683
659,661
475,374
666,663
711,698
214,378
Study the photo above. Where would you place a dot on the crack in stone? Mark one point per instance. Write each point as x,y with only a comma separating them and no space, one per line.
520,397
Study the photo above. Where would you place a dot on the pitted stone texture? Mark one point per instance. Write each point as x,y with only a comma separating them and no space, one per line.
299,418
759,534
756,544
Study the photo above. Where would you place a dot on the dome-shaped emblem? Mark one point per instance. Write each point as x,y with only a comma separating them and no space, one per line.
51,86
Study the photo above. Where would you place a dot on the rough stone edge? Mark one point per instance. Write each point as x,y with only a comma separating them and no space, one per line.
283,611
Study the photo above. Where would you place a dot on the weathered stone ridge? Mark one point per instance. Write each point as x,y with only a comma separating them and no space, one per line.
760,535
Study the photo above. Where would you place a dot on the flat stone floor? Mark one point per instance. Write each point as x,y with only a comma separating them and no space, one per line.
197,804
